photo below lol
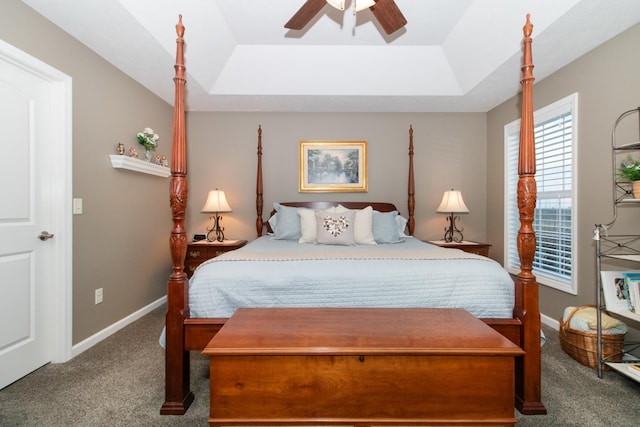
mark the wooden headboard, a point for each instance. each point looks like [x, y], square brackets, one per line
[378, 206]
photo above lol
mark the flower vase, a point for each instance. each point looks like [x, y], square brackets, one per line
[148, 155]
[636, 189]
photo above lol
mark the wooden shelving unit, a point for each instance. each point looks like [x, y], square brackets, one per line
[623, 247]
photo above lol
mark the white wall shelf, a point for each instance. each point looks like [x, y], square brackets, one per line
[125, 162]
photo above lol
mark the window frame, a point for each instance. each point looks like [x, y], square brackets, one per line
[565, 105]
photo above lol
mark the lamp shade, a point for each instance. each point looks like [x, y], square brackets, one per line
[216, 202]
[452, 203]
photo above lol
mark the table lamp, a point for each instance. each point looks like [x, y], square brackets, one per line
[216, 203]
[451, 204]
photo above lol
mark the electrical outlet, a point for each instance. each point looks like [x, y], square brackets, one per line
[98, 296]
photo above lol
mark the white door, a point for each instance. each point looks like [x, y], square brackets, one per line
[28, 278]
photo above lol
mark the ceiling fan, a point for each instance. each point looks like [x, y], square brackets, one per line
[386, 12]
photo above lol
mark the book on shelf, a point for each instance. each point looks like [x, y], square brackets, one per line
[634, 369]
[632, 285]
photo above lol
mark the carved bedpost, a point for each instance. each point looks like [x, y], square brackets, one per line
[528, 392]
[411, 203]
[259, 202]
[178, 395]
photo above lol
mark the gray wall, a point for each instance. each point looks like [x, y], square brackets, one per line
[607, 82]
[449, 152]
[120, 243]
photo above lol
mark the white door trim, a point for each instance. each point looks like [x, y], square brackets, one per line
[60, 193]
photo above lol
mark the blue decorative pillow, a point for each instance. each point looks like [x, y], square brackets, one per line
[385, 227]
[288, 225]
[335, 228]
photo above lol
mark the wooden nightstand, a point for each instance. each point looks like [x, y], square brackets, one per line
[467, 246]
[199, 252]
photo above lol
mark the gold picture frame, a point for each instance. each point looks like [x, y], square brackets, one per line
[332, 166]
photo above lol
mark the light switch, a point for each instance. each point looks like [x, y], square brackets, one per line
[77, 206]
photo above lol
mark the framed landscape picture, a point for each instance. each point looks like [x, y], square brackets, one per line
[332, 166]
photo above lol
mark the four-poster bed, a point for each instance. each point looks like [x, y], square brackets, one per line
[185, 333]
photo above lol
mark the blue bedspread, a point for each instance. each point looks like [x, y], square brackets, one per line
[355, 276]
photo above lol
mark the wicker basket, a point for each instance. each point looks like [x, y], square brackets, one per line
[583, 346]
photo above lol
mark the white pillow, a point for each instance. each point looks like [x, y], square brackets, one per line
[307, 226]
[402, 225]
[335, 228]
[363, 227]
[273, 222]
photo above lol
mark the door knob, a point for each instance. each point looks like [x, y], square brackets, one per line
[45, 235]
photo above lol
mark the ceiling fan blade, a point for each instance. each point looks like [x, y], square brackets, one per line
[305, 14]
[389, 15]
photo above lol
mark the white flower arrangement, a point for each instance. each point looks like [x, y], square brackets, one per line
[148, 138]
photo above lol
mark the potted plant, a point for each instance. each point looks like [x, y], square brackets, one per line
[630, 171]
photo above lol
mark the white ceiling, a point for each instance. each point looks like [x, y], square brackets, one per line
[453, 55]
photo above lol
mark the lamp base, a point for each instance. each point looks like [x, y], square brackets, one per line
[215, 233]
[452, 232]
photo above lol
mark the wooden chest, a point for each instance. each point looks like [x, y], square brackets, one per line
[360, 367]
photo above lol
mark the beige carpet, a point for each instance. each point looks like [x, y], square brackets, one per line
[120, 382]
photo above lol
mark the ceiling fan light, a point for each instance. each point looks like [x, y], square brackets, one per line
[338, 4]
[362, 4]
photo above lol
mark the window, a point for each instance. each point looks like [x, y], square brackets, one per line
[555, 132]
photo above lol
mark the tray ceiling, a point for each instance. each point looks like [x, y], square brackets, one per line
[461, 55]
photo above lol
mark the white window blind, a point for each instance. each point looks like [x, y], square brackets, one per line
[554, 219]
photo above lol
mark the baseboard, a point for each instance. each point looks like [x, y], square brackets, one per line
[112, 329]
[550, 322]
